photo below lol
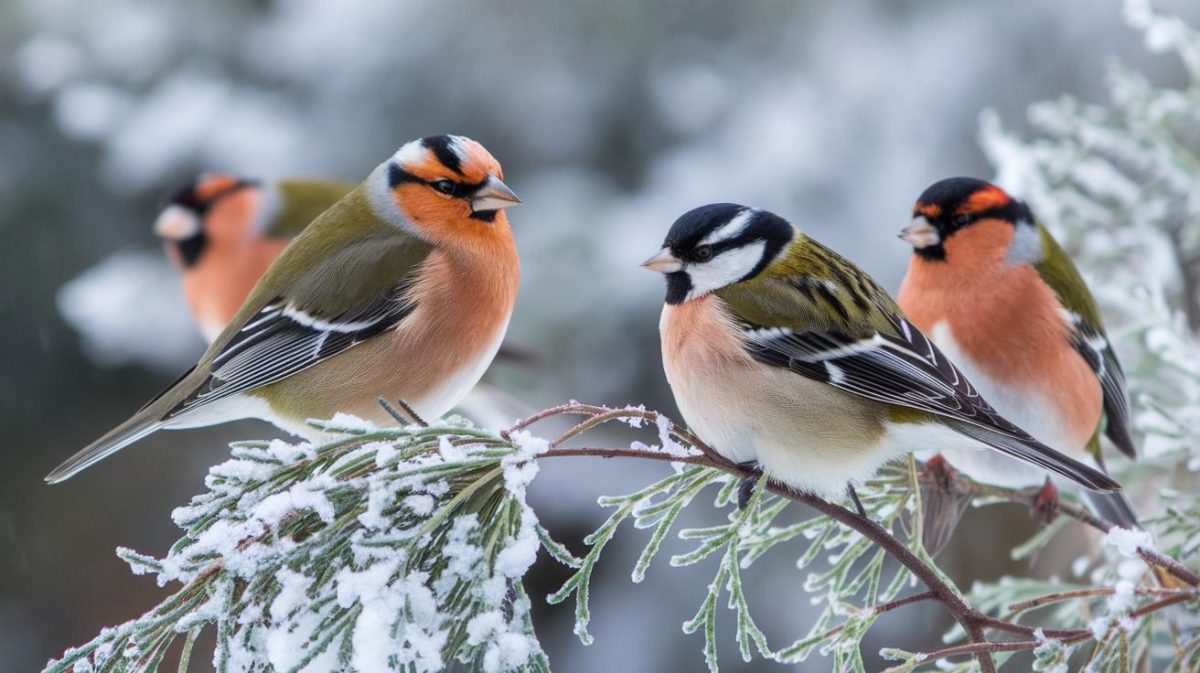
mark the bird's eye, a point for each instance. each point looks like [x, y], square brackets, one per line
[443, 186]
[704, 253]
[962, 220]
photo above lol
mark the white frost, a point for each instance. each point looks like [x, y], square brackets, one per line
[1127, 541]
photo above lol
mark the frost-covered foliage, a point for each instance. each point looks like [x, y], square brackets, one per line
[383, 550]
[405, 549]
[846, 572]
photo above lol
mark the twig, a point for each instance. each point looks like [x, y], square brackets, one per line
[971, 620]
[1082, 515]
[1066, 637]
[1093, 592]
[882, 608]
[1177, 569]
[616, 452]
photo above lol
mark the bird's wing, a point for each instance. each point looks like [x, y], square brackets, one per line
[300, 201]
[285, 339]
[312, 321]
[1088, 337]
[897, 365]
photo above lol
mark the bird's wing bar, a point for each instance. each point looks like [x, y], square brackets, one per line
[282, 339]
[1096, 350]
[907, 370]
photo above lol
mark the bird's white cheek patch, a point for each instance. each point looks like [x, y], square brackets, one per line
[725, 269]
[381, 199]
[177, 223]
[1026, 246]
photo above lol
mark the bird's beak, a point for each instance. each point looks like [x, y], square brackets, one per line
[920, 234]
[177, 223]
[493, 195]
[664, 262]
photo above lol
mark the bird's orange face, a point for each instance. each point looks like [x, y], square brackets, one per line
[212, 208]
[965, 216]
[232, 206]
[450, 189]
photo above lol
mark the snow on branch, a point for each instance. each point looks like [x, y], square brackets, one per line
[405, 548]
[386, 549]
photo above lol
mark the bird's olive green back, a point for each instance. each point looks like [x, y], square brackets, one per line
[301, 202]
[812, 288]
[347, 257]
[1057, 270]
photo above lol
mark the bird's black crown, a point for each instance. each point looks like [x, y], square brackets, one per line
[955, 203]
[687, 236]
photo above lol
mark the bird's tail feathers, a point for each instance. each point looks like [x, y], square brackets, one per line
[116, 439]
[1036, 453]
[1114, 508]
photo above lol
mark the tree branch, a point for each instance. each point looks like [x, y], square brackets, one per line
[1094, 592]
[1152, 557]
[973, 622]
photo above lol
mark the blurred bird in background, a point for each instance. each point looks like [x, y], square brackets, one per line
[403, 289]
[784, 354]
[998, 295]
[221, 232]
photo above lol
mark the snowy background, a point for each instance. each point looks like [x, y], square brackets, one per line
[611, 118]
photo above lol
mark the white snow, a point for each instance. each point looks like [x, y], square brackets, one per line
[293, 593]
[420, 504]
[1127, 541]
[449, 452]
[516, 558]
[521, 466]
[343, 421]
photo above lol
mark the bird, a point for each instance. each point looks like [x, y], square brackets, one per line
[403, 289]
[783, 355]
[222, 231]
[996, 293]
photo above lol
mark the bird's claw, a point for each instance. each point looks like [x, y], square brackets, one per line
[944, 500]
[1045, 503]
[862, 511]
[746, 487]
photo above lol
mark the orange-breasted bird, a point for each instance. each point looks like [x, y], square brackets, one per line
[402, 289]
[994, 290]
[222, 231]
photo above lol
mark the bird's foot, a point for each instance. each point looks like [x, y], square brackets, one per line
[409, 415]
[943, 502]
[746, 488]
[940, 472]
[854, 498]
[1045, 503]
